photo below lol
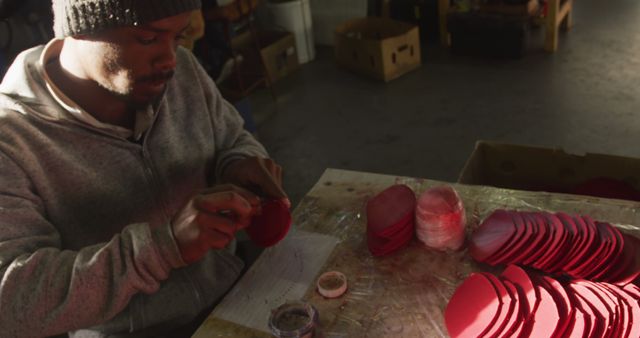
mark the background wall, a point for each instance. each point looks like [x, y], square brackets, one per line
[30, 24]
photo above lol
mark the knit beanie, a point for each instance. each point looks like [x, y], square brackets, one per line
[73, 17]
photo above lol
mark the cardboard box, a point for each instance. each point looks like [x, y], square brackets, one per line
[543, 169]
[379, 48]
[279, 55]
[277, 49]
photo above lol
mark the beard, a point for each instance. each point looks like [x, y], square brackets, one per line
[121, 81]
[135, 90]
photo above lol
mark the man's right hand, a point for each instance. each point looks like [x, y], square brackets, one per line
[211, 219]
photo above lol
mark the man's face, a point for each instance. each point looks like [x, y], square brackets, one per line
[134, 63]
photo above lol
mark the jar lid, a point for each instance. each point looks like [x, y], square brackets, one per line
[332, 284]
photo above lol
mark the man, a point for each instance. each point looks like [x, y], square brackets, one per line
[124, 177]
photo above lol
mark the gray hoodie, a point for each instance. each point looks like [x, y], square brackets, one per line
[85, 237]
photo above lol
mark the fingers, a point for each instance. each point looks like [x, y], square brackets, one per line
[253, 199]
[230, 205]
[217, 231]
[210, 220]
[269, 178]
[262, 173]
[226, 202]
[273, 169]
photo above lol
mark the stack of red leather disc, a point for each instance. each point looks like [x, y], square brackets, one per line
[524, 304]
[577, 246]
[271, 225]
[390, 220]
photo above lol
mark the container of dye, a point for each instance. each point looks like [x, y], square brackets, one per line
[295, 319]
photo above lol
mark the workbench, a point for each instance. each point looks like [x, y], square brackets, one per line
[400, 295]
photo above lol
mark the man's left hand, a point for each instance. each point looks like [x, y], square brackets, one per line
[261, 175]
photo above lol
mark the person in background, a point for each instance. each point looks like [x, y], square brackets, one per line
[124, 177]
[214, 50]
[195, 31]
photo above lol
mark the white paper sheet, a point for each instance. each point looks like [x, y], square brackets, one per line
[282, 273]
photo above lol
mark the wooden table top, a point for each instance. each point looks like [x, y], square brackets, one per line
[403, 294]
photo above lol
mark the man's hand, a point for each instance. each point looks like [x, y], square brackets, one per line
[261, 175]
[211, 219]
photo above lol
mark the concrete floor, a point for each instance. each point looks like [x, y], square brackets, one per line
[584, 98]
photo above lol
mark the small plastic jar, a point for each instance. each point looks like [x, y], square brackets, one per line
[440, 218]
[332, 284]
[295, 319]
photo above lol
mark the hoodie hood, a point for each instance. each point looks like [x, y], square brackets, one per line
[24, 89]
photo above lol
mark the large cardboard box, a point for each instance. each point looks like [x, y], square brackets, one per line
[277, 49]
[279, 54]
[380, 48]
[544, 169]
